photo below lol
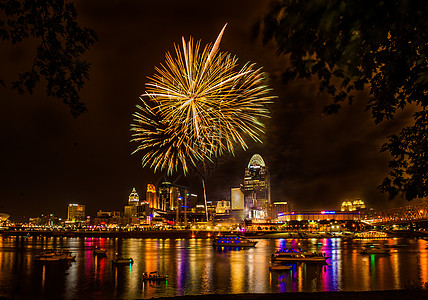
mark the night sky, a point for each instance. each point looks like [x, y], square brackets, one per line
[49, 159]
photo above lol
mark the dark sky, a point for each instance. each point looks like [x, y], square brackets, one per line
[50, 159]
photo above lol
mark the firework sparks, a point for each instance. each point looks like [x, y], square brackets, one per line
[198, 105]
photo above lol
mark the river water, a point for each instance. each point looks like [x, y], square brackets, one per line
[195, 267]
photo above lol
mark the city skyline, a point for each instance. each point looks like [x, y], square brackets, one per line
[52, 159]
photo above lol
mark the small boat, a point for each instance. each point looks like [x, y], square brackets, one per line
[122, 261]
[52, 255]
[374, 250]
[154, 276]
[295, 255]
[47, 258]
[99, 251]
[233, 241]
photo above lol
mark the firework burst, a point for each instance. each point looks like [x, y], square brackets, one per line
[198, 105]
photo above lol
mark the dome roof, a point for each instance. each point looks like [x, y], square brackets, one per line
[256, 160]
[133, 194]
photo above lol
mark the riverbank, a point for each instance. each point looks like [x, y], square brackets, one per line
[370, 295]
[188, 234]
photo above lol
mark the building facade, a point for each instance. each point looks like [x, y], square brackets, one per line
[172, 197]
[237, 197]
[76, 213]
[151, 196]
[257, 188]
[133, 199]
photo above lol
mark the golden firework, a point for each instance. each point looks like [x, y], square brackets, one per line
[199, 104]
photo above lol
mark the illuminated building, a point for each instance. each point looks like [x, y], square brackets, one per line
[222, 207]
[346, 206]
[151, 196]
[134, 199]
[257, 188]
[319, 216]
[358, 204]
[130, 211]
[76, 213]
[278, 209]
[172, 196]
[237, 197]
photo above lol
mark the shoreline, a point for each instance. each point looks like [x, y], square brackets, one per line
[189, 234]
[348, 295]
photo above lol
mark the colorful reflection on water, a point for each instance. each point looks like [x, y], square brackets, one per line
[195, 267]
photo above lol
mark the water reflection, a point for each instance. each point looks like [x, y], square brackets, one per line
[195, 267]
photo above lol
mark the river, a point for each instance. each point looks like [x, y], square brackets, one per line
[195, 267]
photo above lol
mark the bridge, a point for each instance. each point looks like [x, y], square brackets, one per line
[400, 215]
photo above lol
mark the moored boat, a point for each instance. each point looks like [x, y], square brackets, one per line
[122, 260]
[55, 255]
[99, 251]
[295, 255]
[154, 276]
[233, 241]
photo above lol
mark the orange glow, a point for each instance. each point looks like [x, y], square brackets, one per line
[151, 188]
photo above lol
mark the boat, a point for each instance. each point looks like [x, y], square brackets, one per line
[122, 261]
[295, 255]
[372, 249]
[154, 276]
[233, 241]
[47, 257]
[52, 255]
[99, 251]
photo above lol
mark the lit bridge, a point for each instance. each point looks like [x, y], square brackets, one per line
[400, 215]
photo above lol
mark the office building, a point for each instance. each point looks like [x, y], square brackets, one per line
[237, 197]
[257, 188]
[76, 213]
[133, 199]
[151, 196]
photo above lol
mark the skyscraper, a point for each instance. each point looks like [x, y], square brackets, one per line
[257, 188]
[151, 196]
[133, 199]
[76, 213]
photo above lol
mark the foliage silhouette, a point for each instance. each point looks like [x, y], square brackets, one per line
[359, 44]
[61, 43]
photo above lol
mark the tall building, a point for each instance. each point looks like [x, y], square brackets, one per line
[76, 212]
[257, 188]
[237, 197]
[172, 196]
[151, 196]
[133, 199]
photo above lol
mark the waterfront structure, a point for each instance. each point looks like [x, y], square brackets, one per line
[133, 199]
[278, 209]
[151, 196]
[76, 213]
[257, 188]
[324, 215]
[237, 197]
